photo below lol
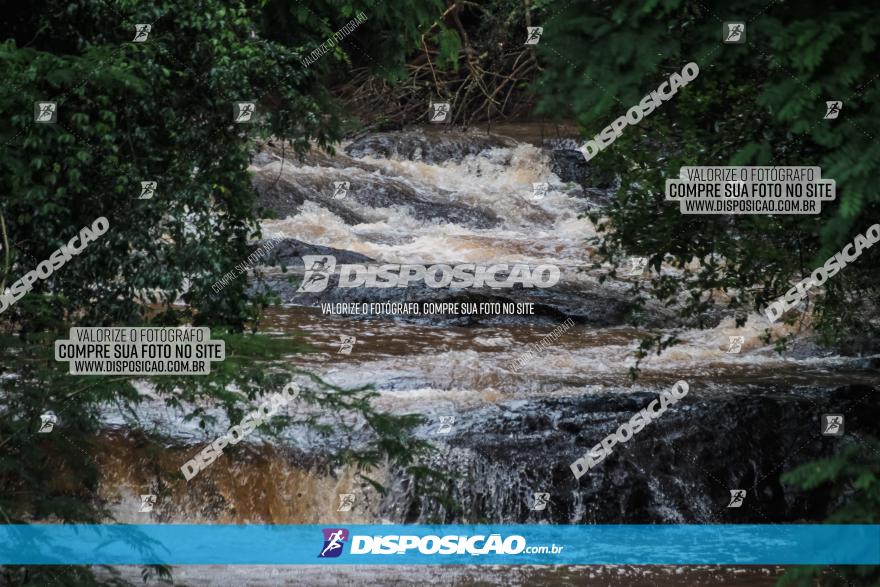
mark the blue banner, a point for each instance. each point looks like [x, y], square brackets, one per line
[172, 544]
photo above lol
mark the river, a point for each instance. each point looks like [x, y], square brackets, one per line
[434, 197]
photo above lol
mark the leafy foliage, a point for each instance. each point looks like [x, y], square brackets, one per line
[159, 111]
[759, 103]
[131, 112]
[854, 477]
[472, 55]
[382, 43]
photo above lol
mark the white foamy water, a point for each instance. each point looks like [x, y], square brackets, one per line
[476, 375]
[435, 368]
[496, 182]
[414, 365]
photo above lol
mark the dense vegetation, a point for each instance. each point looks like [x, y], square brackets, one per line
[159, 110]
[162, 111]
[758, 103]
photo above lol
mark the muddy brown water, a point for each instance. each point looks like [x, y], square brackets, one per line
[427, 196]
[461, 576]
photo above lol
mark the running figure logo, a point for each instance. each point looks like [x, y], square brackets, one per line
[832, 424]
[318, 270]
[243, 111]
[539, 190]
[832, 109]
[340, 189]
[734, 32]
[446, 423]
[47, 422]
[534, 34]
[346, 344]
[141, 32]
[334, 540]
[439, 111]
[540, 502]
[45, 111]
[736, 498]
[147, 503]
[638, 265]
[346, 502]
[148, 188]
[736, 343]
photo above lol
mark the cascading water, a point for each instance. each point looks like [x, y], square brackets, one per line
[441, 197]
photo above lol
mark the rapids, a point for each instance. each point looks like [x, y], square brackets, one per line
[425, 196]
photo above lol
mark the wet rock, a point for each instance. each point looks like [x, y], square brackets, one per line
[569, 165]
[285, 187]
[274, 152]
[584, 303]
[680, 468]
[289, 252]
[861, 345]
[283, 195]
[427, 146]
[571, 143]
